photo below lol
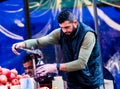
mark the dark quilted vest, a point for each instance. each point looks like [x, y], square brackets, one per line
[91, 76]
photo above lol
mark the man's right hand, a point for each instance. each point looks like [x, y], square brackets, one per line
[16, 46]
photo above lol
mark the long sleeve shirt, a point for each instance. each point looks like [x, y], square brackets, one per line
[53, 38]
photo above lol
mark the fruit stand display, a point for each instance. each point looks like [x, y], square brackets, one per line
[10, 78]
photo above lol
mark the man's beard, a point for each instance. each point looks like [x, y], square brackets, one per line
[70, 36]
[72, 33]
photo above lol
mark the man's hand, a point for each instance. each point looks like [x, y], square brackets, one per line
[46, 68]
[16, 46]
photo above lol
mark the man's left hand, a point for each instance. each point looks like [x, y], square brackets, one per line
[46, 68]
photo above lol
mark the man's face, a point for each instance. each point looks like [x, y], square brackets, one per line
[28, 66]
[68, 27]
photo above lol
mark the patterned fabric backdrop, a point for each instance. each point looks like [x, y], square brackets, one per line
[43, 15]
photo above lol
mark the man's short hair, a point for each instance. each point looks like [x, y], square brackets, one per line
[65, 15]
[30, 57]
[27, 58]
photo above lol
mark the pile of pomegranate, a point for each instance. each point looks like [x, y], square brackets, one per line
[10, 77]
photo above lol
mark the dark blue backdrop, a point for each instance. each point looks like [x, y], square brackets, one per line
[43, 20]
